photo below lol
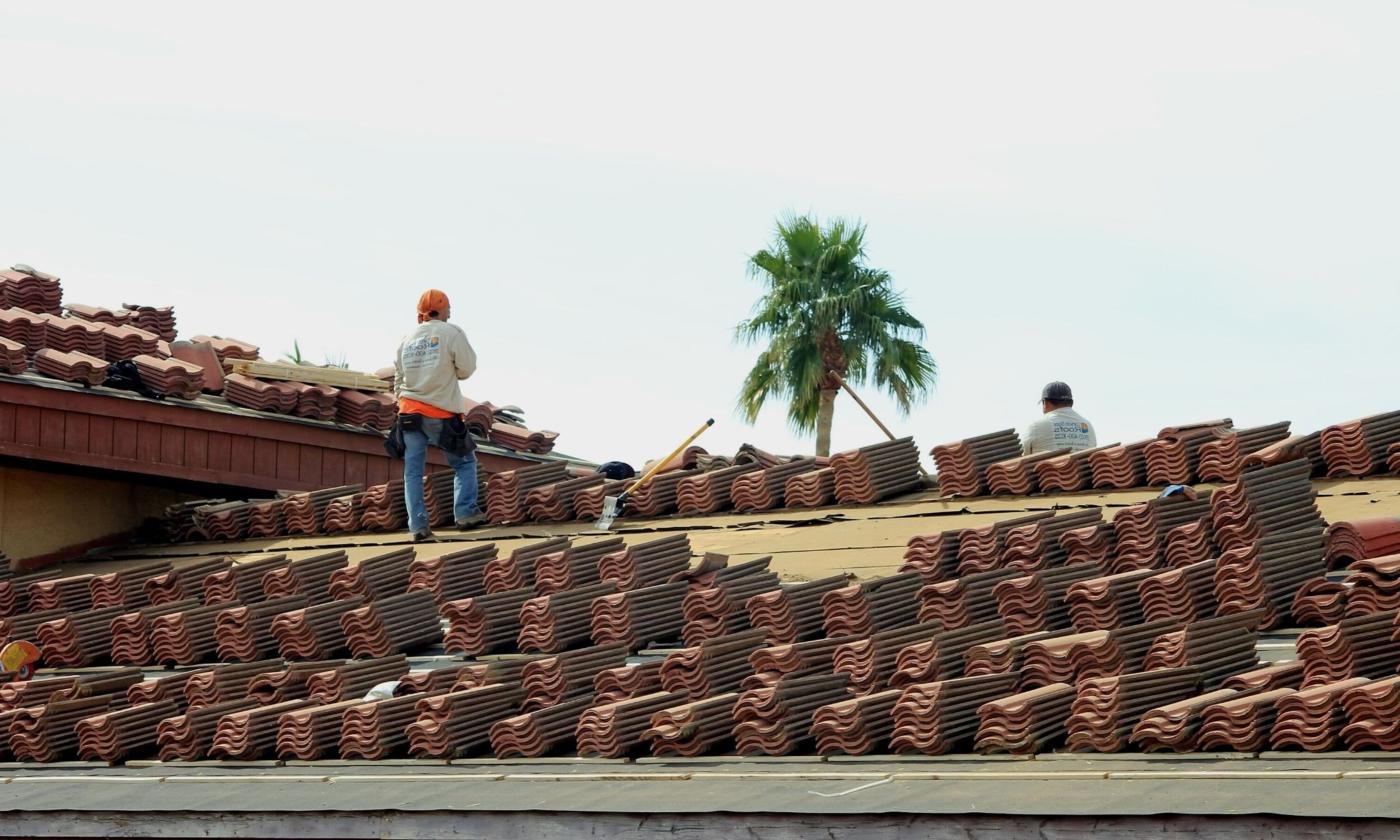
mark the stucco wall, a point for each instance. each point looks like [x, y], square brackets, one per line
[42, 513]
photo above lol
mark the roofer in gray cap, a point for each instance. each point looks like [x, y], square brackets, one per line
[1061, 427]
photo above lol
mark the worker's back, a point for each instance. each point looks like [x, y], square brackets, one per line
[1062, 428]
[430, 362]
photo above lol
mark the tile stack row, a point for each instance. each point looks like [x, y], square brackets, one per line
[1361, 447]
[1010, 645]
[1213, 450]
[734, 692]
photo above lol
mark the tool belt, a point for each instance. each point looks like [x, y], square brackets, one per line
[452, 436]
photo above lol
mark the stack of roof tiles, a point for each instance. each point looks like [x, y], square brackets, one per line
[1068, 473]
[646, 563]
[454, 575]
[522, 439]
[188, 737]
[875, 472]
[962, 465]
[229, 348]
[811, 489]
[74, 335]
[14, 356]
[517, 569]
[1218, 648]
[548, 680]
[71, 367]
[1373, 585]
[304, 513]
[376, 409]
[713, 667]
[794, 612]
[1141, 532]
[1222, 459]
[1039, 601]
[28, 288]
[1017, 476]
[244, 633]
[639, 617]
[939, 717]
[1027, 722]
[157, 319]
[1359, 646]
[540, 732]
[1373, 715]
[715, 607]
[856, 726]
[1312, 719]
[314, 632]
[771, 665]
[980, 548]
[615, 684]
[1119, 467]
[315, 402]
[185, 637]
[459, 722]
[1272, 535]
[552, 623]
[613, 730]
[658, 496]
[1174, 456]
[709, 492]
[555, 502]
[573, 566]
[1360, 447]
[1097, 653]
[942, 655]
[506, 491]
[1106, 709]
[1037, 545]
[309, 577]
[964, 600]
[170, 377]
[23, 328]
[694, 728]
[876, 604]
[384, 508]
[1362, 539]
[766, 489]
[393, 624]
[78, 639]
[260, 394]
[129, 342]
[777, 720]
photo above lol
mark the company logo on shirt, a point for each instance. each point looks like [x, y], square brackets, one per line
[421, 352]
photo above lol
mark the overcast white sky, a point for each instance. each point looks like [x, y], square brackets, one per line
[1185, 210]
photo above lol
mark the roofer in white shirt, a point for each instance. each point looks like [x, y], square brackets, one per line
[1061, 427]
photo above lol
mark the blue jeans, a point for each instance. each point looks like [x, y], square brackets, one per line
[415, 459]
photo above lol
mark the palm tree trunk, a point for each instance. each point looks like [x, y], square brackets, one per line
[824, 412]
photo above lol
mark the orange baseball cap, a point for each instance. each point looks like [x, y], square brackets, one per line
[431, 303]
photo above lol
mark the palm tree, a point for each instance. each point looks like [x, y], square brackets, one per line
[823, 309]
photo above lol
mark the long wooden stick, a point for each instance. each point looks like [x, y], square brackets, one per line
[860, 402]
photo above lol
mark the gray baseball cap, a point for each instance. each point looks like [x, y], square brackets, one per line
[1056, 392]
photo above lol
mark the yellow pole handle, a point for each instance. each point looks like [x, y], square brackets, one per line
[664, 461]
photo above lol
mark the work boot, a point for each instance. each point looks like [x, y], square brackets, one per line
[474, 521]
[423, 536]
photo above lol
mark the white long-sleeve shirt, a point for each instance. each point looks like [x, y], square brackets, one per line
[1062, 428]
[431, 361]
